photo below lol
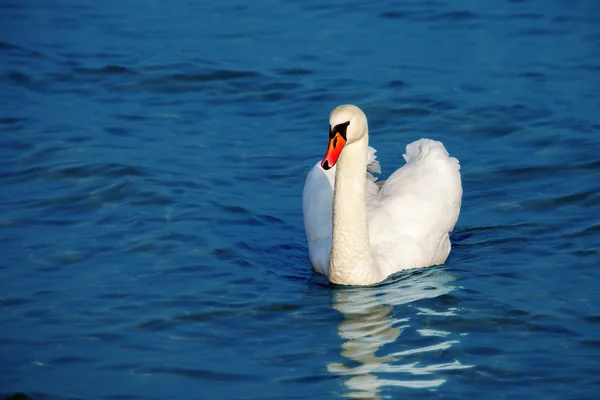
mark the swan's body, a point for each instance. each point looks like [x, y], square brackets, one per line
[359, 232]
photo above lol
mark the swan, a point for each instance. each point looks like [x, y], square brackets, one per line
[359, 230]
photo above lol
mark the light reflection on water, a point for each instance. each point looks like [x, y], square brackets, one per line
[373, 320]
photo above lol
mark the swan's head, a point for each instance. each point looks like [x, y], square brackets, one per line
[347, 124]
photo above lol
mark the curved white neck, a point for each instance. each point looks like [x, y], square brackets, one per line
[351, 262]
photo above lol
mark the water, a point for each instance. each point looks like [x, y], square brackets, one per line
[152, 159]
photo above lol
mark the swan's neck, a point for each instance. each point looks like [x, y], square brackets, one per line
[351, 262]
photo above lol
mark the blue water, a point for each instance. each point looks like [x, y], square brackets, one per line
[152, 159]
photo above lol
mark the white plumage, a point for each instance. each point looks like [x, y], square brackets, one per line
[379, 228]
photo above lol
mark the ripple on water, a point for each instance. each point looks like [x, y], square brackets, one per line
[385, 340]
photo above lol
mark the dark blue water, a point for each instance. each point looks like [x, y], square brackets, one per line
[152, 159]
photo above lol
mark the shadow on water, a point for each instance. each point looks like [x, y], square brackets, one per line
[386, 340]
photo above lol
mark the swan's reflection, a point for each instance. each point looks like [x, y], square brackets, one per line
[368, 326]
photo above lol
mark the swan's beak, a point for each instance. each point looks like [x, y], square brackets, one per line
[336, 144]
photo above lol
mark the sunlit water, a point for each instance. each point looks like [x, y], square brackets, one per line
[152, 159]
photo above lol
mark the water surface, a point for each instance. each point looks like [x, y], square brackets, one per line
[152, 159]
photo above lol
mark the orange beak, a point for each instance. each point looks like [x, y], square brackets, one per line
[336, 144]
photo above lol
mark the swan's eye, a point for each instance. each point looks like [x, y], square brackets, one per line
[339, 128]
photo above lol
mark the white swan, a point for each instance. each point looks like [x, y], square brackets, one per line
[361, 231]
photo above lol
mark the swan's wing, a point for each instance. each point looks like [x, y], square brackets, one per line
[317, 208]
[418, 205]
[373, 166]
